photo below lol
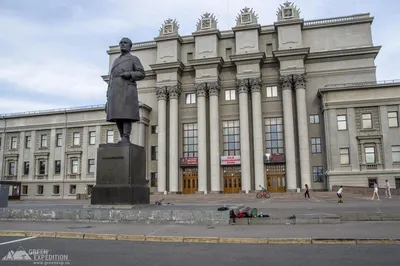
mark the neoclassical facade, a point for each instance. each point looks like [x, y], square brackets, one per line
[280, 106]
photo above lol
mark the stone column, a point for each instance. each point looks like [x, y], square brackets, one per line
[215, 171]
[19, 165]
[174, 92]
[243, 91]
[85, 159]
[286, 84]
[141, 133]
[32, 165]
[50, 164]
[162, 96]
[302, 121]
[258, 143]
[201, 90]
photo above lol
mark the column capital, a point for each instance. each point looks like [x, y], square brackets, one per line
[242, 86]
[300, 81]
[214, 88]
[174, 91]
[285, 82]
[201, 89]
[162, 93]
[255, 84]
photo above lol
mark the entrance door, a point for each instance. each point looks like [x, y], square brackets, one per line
[232, 179]
[275, 177]
[190, 180]
[276, 183]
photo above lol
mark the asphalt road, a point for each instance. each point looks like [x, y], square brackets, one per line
[100, 252]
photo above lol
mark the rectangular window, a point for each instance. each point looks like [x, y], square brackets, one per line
[40, 189]
[91, 166]
[24, 189]
[110, 136]
[370, 154]
[274, 135]
[14, 143]
[27, 142]
[314, 119]
[272, 91]
[43, 141]
[189, 56]
[154, 129]
[230, 95]
[393, 119]
[154, 153]
[228, 53]
[42, 167]
[56, 189]
[154, 180]
[11, 168]
[344, 156]
[231, 137]
[190, 140]
[269, 49]
[366, 121]
[316, 145]
[92, 137]
[396, 154]
[397, 183]
[342, 122]
[59, 140]
[57, 167]
[74, 166]
[76, 139]
[318, 174]
[190, 98]
[72, 189]
[26, 168]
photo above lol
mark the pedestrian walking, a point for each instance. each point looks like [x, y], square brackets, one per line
[307, 193]
[387, 190]
[375, 191]
[339, 194]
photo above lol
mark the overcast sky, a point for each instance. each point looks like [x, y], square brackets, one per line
[53, 52]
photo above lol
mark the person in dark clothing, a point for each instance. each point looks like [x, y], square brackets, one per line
[307, 193]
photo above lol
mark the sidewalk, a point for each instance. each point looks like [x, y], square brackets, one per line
[348, 232]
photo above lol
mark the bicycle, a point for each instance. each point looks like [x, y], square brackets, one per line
[263, 193]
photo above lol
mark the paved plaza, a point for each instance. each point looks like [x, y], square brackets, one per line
[279, 205]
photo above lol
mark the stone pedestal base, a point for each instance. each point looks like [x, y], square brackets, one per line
[121, 175]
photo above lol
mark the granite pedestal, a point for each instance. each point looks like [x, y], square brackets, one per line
[121, 175]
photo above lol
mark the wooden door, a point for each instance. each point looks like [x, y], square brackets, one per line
[276, 182]
[275, 177]
[232, 180]
[190, 180]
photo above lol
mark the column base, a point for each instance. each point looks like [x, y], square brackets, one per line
[216, 192]
[175, 193]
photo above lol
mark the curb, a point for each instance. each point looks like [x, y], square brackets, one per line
[215, 240]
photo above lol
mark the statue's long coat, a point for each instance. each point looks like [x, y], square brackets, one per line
[122, 94]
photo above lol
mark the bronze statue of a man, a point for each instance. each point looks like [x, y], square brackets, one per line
[122, 95]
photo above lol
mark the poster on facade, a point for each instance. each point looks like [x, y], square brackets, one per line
[188, 161]
[230, 160]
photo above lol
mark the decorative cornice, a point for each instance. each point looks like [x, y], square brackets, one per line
[214, 88]
[207, 32]
[168, 67]
[300, 81]
[211, 62]
[285, 83]
[358, 86]
[162, 93]
[368, 50]
[201, 89]
[174, 91]
[255, 84]
[299, 53]
[238, 58]
[288, 22]
[248, 27]
[242, 86]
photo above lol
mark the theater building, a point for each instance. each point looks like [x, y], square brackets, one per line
[227, 111]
